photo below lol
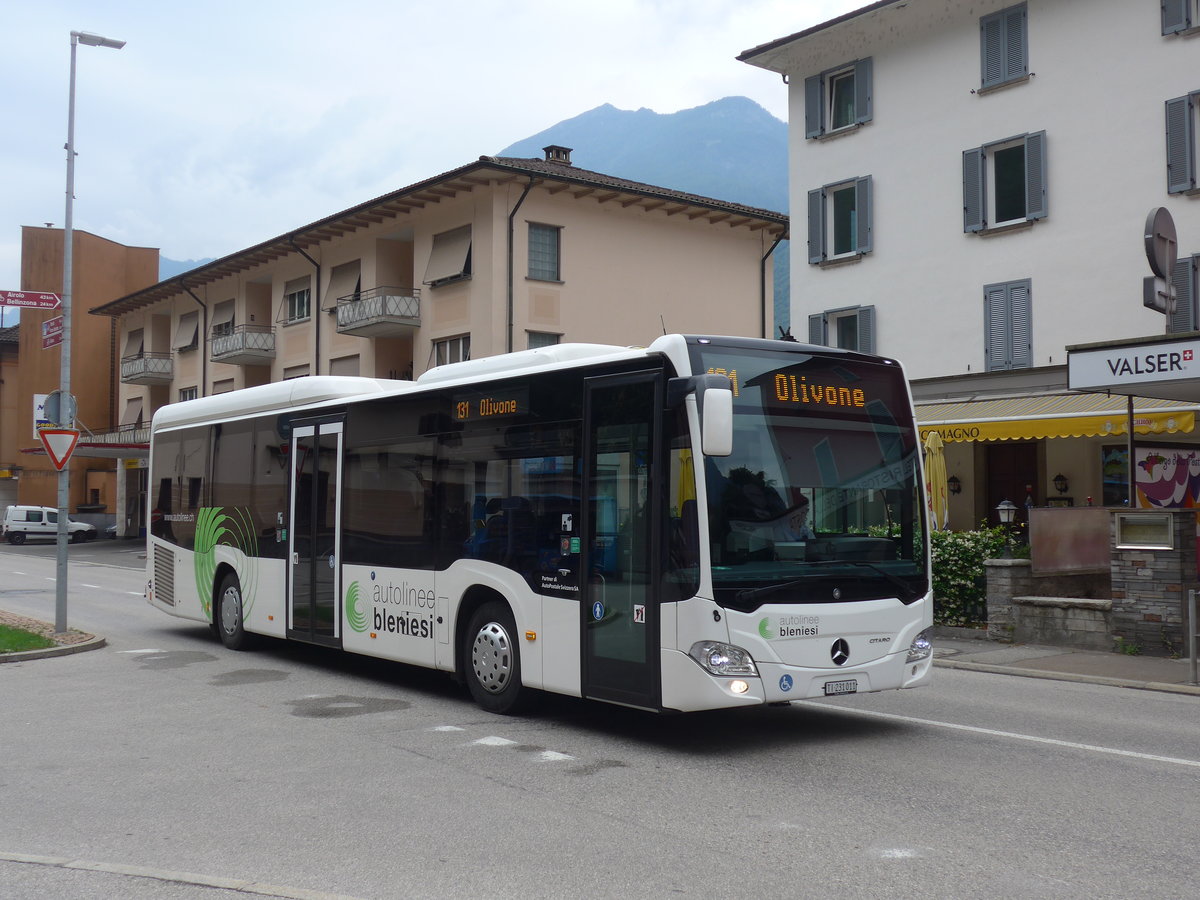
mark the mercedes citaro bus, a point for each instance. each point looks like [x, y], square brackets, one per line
[706, 522]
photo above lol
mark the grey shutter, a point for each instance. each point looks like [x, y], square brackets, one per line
[991, 49]
[814, 106]
[1020, 311]
[817, 330]
[1035, 176]
[1181, 145]
[995, 327]
[1184, 278]
[866, 329]
[863, 88]
[1016, 43]
[974, 191]
[1176, 16]
[816, 226]
[862, 205]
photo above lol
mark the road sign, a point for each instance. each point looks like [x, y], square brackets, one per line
[60, 409]
[52, 332]
[60, 444]
[30, 299]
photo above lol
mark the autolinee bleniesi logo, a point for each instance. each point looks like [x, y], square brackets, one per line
[790, 627]
[765, 629]
[355, 616]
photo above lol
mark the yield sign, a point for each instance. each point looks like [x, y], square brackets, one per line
[60, 444]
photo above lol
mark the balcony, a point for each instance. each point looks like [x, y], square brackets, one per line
[380, 312]
[147, 368]
[244, 345]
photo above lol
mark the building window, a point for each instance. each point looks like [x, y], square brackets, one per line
[1185, 317]
[187, 333]
[134, 344]
[1004, 183]
[188, 393]
[292, 372]
[450, 258]
[1004, 46]
[1180, 16]
[1007, 325]
[455, 349]
[298, 297]
[222, 323]
[544, 246]
[839, 220]
[542, 339]
[1181, 144]
[850, 328]
[838, 98]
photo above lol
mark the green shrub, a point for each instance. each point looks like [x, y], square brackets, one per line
[959, 579]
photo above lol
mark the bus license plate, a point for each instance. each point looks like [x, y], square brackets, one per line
[849, 686]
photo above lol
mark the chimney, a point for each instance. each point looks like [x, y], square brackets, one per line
[555, 153]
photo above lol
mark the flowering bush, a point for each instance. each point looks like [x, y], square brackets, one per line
[959, 582]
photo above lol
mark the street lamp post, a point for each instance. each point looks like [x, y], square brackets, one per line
[64, 475]
[1007, 510]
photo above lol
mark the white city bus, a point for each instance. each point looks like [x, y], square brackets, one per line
[707, 522]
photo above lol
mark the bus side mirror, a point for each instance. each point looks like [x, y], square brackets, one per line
[716, 422]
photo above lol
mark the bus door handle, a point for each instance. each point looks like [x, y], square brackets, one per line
[295, 559]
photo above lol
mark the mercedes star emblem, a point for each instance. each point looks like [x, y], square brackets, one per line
[840, 652]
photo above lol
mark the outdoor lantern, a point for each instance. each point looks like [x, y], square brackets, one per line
[1007, 510]
[954, 484]
[1060, 483]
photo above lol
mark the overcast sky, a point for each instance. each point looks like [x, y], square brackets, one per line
[221, 124]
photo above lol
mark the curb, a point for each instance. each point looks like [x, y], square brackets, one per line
[95, 643]
[1161, 686]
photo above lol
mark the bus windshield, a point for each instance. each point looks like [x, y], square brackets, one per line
[820, 501]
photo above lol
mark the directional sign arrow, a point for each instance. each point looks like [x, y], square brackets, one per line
[30, 299]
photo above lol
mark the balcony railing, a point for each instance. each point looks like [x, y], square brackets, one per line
[244, 345]
[147, 368]
[383, 311]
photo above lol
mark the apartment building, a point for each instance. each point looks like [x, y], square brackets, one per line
[497, 255]
[975, 180]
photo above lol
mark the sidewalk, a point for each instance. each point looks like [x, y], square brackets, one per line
[958, 648]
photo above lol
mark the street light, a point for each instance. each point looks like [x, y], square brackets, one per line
[1007, 511]
[64, 476]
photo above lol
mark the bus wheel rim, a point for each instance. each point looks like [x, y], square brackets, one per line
[492, 658]
[231, 610]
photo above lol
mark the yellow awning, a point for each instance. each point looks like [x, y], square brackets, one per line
[1052, 416]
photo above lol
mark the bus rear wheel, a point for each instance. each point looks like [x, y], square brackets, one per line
[493, 660]
[228, 616]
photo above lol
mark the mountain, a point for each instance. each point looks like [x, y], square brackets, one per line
[169, 268]
[730, 149]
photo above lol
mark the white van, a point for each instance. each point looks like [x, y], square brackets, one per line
[21, 522]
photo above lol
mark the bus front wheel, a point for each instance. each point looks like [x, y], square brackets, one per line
[229, 614]
[493, 660]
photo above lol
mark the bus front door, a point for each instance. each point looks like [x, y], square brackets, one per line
[619, 607]
[314, 534]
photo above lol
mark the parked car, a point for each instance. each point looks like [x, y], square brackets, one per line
[23, 522]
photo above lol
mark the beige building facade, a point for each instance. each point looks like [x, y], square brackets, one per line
[498, 255]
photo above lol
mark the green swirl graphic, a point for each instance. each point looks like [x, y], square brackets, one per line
[765, 629]
[233, 529]
[355, 616]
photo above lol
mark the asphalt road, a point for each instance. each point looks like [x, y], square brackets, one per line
[166, 766]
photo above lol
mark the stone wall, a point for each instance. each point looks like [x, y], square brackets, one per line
[1150, 588]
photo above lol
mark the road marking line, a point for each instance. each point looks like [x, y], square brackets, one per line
[992, 732]
[495, 742]
[447, 728]
[553, 756]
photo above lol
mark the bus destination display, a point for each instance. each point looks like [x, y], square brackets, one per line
[784, 387]
[498, 405]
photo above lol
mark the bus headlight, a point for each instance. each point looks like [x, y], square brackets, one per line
[723, 659]
[920, 648]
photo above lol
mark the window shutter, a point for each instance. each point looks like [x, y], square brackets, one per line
[817, 329]
[974, 190]
[991, 49]
[1183, 276]
[1181, 145]
[1016, 43]
[814, 107]
[816, 226]
[1020, 325]
[1035, 176]
[863, 89]
[1176, 16]
[866, 329]
[995, 326]
[862, 203]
